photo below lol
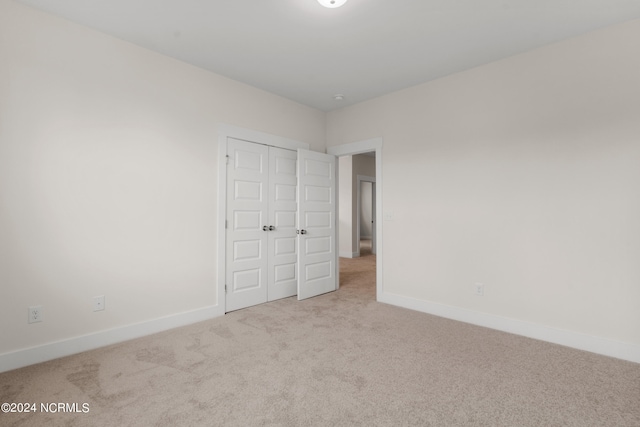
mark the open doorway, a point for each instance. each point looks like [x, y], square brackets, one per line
[356, 180]
[357, 227]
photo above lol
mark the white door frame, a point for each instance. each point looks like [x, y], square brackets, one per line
[360, 147]
[229, 131]
[360, 180]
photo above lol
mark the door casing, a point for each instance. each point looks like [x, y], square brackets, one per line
[359, 147]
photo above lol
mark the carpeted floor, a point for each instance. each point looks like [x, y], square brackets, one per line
[338, 359]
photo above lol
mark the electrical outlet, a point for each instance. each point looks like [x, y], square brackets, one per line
[35, 314]
[98, 303]
[479, 287]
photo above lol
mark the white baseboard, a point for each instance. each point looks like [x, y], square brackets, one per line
[42, 353]
[348, 254]
[603, 346]
[50, 351]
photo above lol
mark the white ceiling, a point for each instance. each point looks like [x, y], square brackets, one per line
[366, 48]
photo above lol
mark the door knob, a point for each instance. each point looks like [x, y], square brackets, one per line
[265, 228]
[271, 228]
[303, 231]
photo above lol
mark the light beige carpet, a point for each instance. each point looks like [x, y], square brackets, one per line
[336, 360]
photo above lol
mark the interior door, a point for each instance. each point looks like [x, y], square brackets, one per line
[316, 223]
[374, 220]
[283, 207]
[247, 237]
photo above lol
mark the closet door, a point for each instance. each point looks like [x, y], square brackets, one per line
[317, 223]
[247, 227]
[283, 206]
[270, 191]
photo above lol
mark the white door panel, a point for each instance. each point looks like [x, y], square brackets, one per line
[285, 246]
[285, 220]
[317, 245]
[246, 250]
[285, 193]
[314, 193]
[247, 197]
[317, 271]
[316, 214]
[318, 219]
[283, 206]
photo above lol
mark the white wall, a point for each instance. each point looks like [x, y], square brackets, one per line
[522, 175]
[108, 166]
[345, 206]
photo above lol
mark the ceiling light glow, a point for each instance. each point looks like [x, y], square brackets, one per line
[332, 3]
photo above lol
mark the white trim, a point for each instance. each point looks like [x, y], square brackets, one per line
[359, 180]
[603, 346]
[349, 255]
[42, 353]
[358, 147]
[225, 132]
[336, 224]
[221, 263]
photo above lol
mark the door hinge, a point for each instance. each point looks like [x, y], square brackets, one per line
[227, 159]
[226, 223]
[225, 288]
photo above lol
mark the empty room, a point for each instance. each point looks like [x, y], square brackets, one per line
[320, 212]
